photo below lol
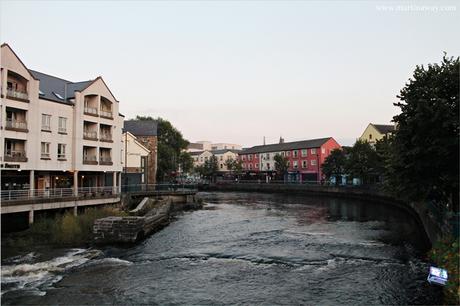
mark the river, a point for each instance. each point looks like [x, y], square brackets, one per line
[243, 248]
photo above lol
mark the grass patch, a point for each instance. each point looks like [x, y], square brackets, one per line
[62, 230]
[445, 254]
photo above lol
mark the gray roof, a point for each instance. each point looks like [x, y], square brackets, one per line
[222, 151]
[384, 128]
[286, 146]
[51, 85]
[141, 127]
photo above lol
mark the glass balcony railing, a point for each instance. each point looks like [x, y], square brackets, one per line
[90, 110]
[90, 134]
[14, 124]
[17, 94]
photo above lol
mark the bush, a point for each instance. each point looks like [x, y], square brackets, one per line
[445, 254]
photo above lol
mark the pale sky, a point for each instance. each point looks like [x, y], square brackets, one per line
[234, 71]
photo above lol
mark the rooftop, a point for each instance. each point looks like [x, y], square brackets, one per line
[285, 146]
[141, 127]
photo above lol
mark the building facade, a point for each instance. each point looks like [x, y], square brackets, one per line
[374, 132]
[208, 146]
[304, 158]
[134, 160]
[200, 157]
[145, 132]
[56, 133]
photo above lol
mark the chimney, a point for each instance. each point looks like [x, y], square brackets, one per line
[281, 139]
[264, 140]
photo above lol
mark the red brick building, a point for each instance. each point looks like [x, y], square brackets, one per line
[305, 158]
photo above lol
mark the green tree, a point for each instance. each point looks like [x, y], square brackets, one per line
[334, 165]
[281, 165]
[185, 162]
[170, 145]
[425, 147]
[361, 162]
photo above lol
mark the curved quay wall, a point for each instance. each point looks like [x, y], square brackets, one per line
[433, 230]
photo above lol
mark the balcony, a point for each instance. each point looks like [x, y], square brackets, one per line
[106, 137]
[17, 95]
[92, 111]
[90, 135]
[14, 125]
[62, 130]
[90, 160]
[15, 156]
[106, 114]
[105, 160]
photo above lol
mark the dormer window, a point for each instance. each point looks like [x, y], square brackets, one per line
[58, 95]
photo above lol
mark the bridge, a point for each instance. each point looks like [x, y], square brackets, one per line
[17, 201]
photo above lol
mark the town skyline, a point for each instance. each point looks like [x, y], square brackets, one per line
[245, 70]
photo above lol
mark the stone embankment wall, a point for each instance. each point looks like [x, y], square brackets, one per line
[433, 230]
[129, 229]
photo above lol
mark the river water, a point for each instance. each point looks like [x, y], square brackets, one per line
[244, 248]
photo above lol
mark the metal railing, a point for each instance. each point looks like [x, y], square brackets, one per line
[88, 192]
[107, 114]
[90, 134]
[56, 193]
[16, 124]
[62, 130]
[17, 94]
[90, 110]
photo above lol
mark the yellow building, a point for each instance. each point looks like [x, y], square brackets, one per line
[374, 132]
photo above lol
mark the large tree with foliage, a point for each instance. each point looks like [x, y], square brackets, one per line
[185, 162]
[425, 148]
[170, 145]
[281, 164]
[361, 162]
[334, 165]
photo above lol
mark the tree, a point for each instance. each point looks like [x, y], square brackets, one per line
[281, 164]
[361, 162]
[334, 165]
[170, 145]
[424, 159]
[185, 162]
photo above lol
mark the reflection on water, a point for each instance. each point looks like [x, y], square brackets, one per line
[253, 249]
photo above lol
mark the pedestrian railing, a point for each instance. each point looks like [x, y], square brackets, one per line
[88, 192]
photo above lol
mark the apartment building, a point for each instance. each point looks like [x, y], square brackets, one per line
[208, 146]
[304, 158]
[222, 155]
[56, 133]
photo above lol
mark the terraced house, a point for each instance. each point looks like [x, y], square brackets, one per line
[56, 133]
[304, 158]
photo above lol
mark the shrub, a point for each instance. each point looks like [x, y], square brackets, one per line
[445, 254]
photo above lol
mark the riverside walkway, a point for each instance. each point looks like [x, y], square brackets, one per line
[16, 201]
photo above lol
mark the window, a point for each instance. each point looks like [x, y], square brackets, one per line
[295, 164]
[244, 157]
[370, 136]
[313, 162]
[289, 164]
[257, 165]
[323, 150]
[221, 166]
[61, 151]
[304, 164]
[282, 154]
[288, 153]
[46, 122]
[221, 158]
[250, 157]
[250, 166]
[45, 152]
[58, 95]
[62, 125]
[268, 166]
[201, 158]
[313, 151]
[267, 156]
[294, 153]
[304, 152]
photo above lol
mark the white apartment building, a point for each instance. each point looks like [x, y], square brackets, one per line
[200, 157]
[208, 146]
[56, 133]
